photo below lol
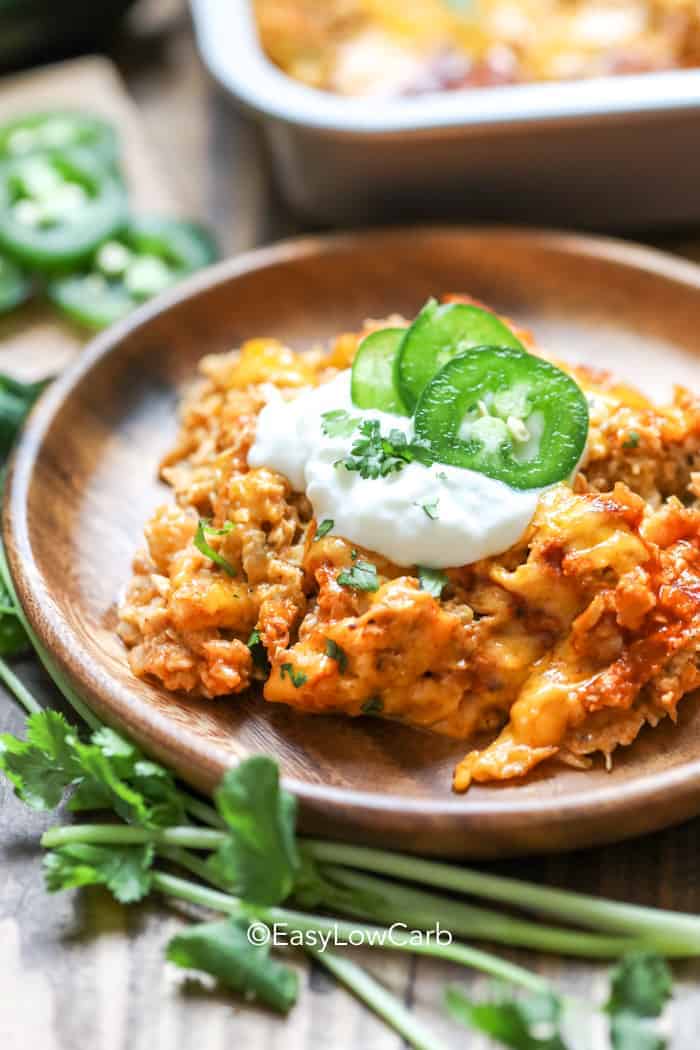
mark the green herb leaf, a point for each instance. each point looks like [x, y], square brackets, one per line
[373, 706]
[632, 440]
[125, 870]
[259, 860]
[432, 580]
[223, 950]
[108, 773]
[338, 423]
[297, 678]
[259, 652]
[16, 401]
[13, 637]
[200, 541]
[522, 1024]
[324, 528]
[630, 1032]
[641, 984]
[336, 653]
[375, 456]
[361, 577]
[44, 765]
[431, 509]
[115, 775]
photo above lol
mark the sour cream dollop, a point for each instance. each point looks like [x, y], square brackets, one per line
[438, 516]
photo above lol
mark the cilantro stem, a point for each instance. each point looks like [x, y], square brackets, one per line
[130, 835]
[57, 676]
[373, 936]
[671, 933]
[18, 689]
[373, 994]
[397, 902]
[381, 1001]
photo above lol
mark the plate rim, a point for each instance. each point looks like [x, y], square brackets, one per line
[328, 799]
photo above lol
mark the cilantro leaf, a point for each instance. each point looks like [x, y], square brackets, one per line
[125, 870]
[200, 541]
[338, 423]
[432, 580]
[641, 984]
[522, 1024]
[44, 765]
[297, 678]
[373, 706]
[375, 456]
[259, 859]
[361, 577]
[258, 652]
[640, 987]
[431, 509]
[16, 401]
[223, 950]
[336, 653]
[630, 1032]
[13, 637]
[115, 775]
[324, 528]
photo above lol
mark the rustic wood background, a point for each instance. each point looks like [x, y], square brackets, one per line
[77, 971]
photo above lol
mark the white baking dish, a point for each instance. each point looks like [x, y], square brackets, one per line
[613, 152]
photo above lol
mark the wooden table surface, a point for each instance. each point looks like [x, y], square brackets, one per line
[79, 972]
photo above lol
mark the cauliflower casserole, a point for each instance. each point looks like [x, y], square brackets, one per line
[567, 643]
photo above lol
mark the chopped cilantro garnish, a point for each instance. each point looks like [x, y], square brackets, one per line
[258, 652]
[338, 423]
[373, 706]
[375, 456]
[432, 580]
[297, 678]
[204, 528]
[632, 440]
[431, 509]
[361, 577]
[336, 653]
[324, 528]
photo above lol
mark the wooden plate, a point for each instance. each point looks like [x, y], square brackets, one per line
[84, 483]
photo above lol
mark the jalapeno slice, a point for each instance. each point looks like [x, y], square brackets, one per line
[149, 256]
[58, 129]
[505, 413]
[373, 372]
[15, 285]
[439, 333]
[56, 208]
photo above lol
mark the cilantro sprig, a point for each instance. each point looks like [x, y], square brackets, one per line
[204, 529]
[362, 576]
[376, 455]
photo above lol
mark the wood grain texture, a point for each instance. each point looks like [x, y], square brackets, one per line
[86, 468]
[75, 950]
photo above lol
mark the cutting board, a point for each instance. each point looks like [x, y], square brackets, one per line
[34, 340]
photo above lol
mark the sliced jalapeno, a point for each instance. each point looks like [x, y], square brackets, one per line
[56, 208]
[58, 129]
[439, 333]
[505, 413]
[148, 257]
[15, 285]
[373, 372]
